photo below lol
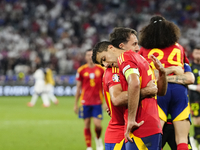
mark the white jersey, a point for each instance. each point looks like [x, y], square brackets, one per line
[39, 77]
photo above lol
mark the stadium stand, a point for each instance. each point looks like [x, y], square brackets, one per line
[59, 31]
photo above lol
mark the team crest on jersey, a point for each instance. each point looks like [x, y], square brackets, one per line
[97, 73]
[115, 78]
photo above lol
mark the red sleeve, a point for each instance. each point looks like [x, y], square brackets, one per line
[126, 61]
[78, 75]
[186, 59]
[140, 52]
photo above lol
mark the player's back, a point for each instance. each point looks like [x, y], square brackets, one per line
[170, 56]
[115, 130]
[175, 99]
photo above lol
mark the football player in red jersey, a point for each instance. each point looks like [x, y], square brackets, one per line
[141, 117]
[124, 38]
[115, 98]
[160, 38]
[117, 101]
[89, 91]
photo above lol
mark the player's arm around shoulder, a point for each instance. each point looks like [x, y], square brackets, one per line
[181, 77]
[150, 90]
[174, 69]
[118, 97]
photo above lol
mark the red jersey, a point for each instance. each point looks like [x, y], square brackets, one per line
[147, 109]
[115, 130]
[91, 90]
[170, 56]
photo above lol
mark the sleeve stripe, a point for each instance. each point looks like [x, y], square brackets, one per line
[112, 69]
[109, 102]
[122, 57]
[115, 70]
[131, 71]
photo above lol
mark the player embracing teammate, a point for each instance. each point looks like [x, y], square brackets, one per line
[132, 77]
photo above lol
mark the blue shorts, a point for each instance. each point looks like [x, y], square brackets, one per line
[115, 146]
[90, 111]
[153, 142]
[175, 102]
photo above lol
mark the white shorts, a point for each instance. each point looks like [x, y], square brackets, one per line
[49, 88]
[39, 87]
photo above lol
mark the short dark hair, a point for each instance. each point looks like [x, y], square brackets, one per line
[98, 48]
[197, 47]
[88, 50]
[121, 35]
[159, 33]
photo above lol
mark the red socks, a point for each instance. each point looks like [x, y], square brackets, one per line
[98, 132]
[182, 146]
[87, 135]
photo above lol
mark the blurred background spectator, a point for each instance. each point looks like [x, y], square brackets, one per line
[57, 32]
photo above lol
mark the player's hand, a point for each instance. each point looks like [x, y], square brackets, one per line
[76, 109]
[105, 107]
[178, 70]
[130, 127]
[157, 63]
[108, 111]
[153, 88]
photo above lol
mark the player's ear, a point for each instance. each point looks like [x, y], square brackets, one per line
[111, 47]
[121, 45]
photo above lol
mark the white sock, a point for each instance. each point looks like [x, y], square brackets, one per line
[52, 97]
[45, 99]
[193, 143]
[34, 99]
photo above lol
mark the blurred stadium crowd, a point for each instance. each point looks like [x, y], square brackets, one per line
[57, 32]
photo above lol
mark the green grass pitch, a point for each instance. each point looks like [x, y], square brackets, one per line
[38, 128]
